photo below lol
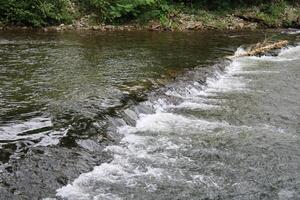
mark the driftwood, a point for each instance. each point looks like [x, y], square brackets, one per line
[261, 48]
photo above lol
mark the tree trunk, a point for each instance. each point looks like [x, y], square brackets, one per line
[261, 48]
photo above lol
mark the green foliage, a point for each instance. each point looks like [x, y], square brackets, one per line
[275, 9]
[52, 12]
[120, 10]
[230, 4]
[167, 23]
[273, 13]
[34, 12]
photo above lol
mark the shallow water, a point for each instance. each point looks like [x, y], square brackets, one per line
[198, 127]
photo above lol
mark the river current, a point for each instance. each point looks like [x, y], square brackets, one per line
[149, 117]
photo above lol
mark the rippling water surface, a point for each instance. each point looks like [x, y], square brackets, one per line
[147, 116]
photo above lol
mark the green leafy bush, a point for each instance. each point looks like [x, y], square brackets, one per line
[34, 12]
[275, 9]
[273, 14]
[120, 10]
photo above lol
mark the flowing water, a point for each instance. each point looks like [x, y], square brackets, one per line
[148, 116]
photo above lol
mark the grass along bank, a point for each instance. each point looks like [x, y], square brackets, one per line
[160, 15]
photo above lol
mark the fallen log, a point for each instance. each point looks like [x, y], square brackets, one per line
[261, 48]
[253, 20]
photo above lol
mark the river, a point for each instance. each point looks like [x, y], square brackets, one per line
[144, 115]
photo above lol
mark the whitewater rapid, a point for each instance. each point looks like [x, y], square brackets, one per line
[159, 157]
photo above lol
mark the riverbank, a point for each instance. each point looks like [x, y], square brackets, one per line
[184, 19]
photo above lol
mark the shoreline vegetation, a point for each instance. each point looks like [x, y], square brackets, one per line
[154, 15]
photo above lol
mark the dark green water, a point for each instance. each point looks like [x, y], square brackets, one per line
[73, 101]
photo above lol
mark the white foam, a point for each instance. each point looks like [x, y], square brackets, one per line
[169, 122]
[228, 82]
[239, 51]
[205, 180]
[196, 106]
[294, 32]
[185, 94]
[96, 183]
[259, 72]
[286, 54]
[291, 53]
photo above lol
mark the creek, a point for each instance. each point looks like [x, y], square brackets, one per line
[141, 115]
